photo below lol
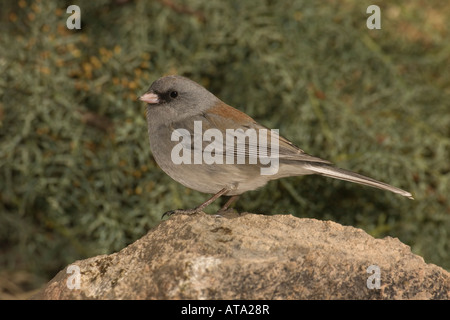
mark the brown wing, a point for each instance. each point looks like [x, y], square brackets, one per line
[228, 117]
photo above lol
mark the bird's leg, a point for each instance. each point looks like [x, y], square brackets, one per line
[200, 207]
[230, 201]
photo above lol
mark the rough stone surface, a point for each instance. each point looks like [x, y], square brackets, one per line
[254, 257]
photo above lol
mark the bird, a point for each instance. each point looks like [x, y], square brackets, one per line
[209, 146]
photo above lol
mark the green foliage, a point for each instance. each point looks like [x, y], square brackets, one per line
[76, 173]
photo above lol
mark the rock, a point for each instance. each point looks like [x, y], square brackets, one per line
[253, 257]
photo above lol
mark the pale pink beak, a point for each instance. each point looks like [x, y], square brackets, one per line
[149, 98]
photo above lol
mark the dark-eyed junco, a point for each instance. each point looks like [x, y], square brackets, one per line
[208, 146]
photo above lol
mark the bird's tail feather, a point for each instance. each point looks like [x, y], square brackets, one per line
[342, 174]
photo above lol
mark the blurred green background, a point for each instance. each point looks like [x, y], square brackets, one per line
[77, 177]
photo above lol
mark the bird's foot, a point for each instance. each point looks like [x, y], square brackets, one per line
[181, 211]
[224, 211]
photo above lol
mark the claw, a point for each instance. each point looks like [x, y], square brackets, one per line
[168, 213]
[203, 205]
[180, 211]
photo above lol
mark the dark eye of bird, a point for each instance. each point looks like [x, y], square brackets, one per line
[173, 94]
